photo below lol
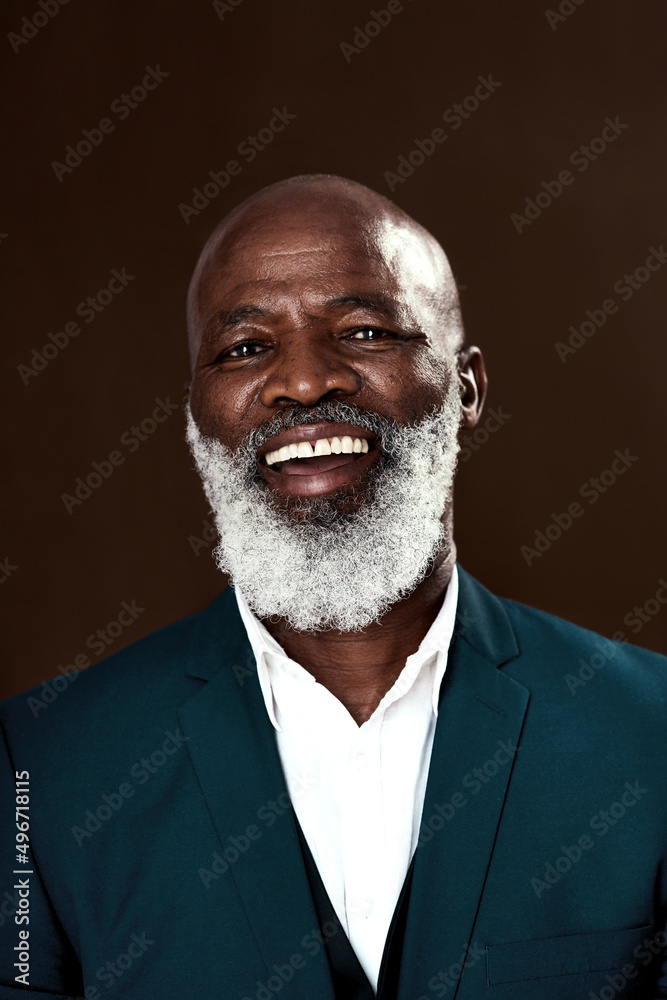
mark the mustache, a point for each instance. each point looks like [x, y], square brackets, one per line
[329, 411]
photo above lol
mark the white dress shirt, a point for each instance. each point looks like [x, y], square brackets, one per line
[358, 791]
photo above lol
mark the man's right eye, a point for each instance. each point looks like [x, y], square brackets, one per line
[244, 350]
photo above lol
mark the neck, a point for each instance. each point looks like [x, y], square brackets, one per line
[359, 668]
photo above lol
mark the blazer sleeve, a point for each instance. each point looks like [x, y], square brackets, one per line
[54, 969]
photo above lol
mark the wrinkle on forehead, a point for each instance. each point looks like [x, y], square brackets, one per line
[287, 253]
[357, 222]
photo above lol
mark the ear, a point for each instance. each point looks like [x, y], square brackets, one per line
[472, 376]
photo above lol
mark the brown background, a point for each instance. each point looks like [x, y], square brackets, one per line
[131, 540]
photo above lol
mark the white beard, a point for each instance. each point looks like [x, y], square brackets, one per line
[306, 559]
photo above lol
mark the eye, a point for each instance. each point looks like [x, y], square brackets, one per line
[369, 333]
[243, 350]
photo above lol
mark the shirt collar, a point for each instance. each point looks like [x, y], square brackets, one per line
[436, 641]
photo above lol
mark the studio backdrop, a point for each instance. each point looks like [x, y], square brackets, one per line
[529, 139]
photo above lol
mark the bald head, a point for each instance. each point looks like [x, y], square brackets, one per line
[334, 225]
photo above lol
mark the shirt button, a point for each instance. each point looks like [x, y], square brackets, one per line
[360, 760]
[367, 907]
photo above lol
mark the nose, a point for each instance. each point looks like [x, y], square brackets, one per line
[306, 369]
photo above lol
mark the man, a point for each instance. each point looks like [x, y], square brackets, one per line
[358, 771]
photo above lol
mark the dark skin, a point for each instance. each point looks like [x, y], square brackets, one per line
[302, 302]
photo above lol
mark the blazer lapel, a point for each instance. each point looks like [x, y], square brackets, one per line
[478, 730]
[232, 745]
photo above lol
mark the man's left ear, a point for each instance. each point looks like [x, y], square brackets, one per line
[474, 383]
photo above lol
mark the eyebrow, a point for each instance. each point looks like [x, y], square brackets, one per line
[227, 319]
[376, 302]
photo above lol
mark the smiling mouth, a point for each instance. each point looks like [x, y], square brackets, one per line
[309, 458]
[316, 459]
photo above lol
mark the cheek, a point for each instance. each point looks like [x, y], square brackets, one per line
[220, 407]
[412, 390]
[435, 371]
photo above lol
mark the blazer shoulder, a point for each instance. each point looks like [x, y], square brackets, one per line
[532, 623]
[504, 628]
[558, 649]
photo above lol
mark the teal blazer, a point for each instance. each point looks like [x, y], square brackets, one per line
[164, 862]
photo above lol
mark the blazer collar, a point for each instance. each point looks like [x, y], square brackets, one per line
[483, 622]
[219, 635]
[219, 639]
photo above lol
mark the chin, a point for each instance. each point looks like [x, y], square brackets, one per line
[326, 508]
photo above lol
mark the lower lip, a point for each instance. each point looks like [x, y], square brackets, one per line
[316, 484]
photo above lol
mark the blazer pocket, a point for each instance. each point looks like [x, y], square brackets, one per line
[563, 956]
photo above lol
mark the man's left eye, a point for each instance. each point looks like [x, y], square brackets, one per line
[370, 333]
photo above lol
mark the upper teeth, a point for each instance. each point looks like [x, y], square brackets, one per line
[324, 446]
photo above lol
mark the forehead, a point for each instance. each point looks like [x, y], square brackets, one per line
[316, 254]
